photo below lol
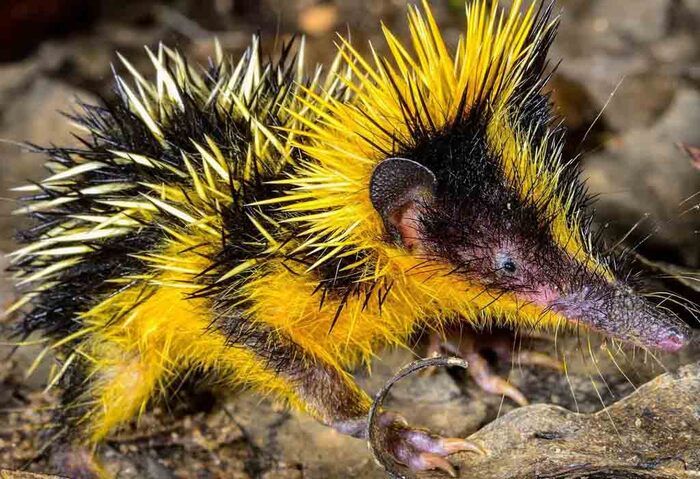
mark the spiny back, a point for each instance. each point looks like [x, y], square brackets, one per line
[187, 151]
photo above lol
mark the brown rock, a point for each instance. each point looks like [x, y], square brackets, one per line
[629, 23]
[7, 474]
[634, 49]
[643, 171]
[651, 433]
[34, 116]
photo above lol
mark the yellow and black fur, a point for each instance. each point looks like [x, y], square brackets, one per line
[244, 220]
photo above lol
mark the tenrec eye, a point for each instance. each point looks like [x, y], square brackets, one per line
[509, 266]
[505, 264]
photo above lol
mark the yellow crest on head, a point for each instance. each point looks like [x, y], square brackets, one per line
[396, 99]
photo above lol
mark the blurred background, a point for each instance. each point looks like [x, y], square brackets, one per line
[627, 88]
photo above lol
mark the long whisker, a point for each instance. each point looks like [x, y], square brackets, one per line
[629, 232]
[605, 409]
[602, 110]
[655, 358]
[565, 365]
[595, 365]
[611, 355]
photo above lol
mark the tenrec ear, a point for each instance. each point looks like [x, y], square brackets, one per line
[396, 189]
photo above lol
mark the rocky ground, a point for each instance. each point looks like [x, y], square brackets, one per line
[628, 88]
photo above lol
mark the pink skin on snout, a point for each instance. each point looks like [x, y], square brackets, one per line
[672, 343]
[668, 339]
